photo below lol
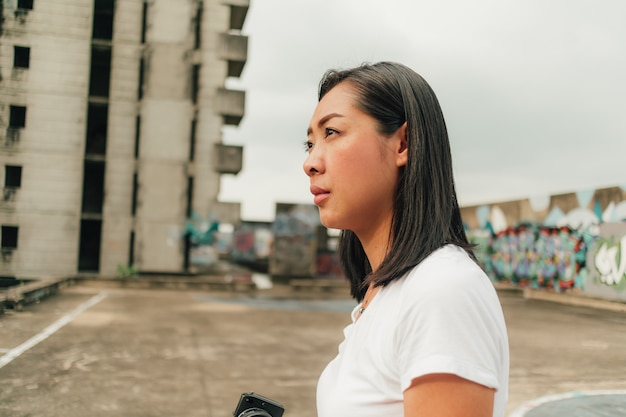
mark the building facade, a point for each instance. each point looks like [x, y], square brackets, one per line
[111, 117]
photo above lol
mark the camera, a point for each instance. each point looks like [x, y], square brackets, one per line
[255, 405]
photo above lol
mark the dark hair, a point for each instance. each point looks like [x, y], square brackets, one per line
[426, 213]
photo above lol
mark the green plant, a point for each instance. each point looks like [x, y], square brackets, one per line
[126, 271]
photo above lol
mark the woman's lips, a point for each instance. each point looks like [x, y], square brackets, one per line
[319, 194]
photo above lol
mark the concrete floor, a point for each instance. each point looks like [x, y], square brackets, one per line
[138, 352]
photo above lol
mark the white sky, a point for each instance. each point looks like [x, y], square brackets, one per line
[533, 91]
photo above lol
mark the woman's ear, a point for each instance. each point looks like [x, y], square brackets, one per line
[402, 147]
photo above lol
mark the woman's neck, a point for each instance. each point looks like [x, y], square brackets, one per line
[376, 243]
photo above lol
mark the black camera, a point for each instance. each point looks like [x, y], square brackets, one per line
[255, 405]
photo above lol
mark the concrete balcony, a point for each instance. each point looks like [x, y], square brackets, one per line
[228, 159]
[231, 105]
[238, 12]
[233, 48]
[229, 213]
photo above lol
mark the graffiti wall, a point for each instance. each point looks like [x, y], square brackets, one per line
[536, 256]
[199, 240]
[607, 256]
[545, 242]
[328, 265]
[251, 244]
[295, 240]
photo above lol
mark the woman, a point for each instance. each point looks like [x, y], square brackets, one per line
[428, 336]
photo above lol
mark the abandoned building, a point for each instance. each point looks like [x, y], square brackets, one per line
[111, 119]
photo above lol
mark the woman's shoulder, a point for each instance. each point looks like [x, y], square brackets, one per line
[447, 259]
[447, 269]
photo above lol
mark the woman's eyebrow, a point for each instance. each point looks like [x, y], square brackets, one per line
[323, 121]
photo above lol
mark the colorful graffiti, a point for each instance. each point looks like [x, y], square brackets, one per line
[544, 242]
[328, 265]
[243, 246]
[200, 231]
[199, 237]
[610, 261]
[607, 276]
[252, 243]
[295, 240]
[537, 256]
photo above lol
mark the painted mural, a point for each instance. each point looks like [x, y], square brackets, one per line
[252, 242]
[536, 256]
[200, 236]
[544, 242]
[607, 257]
[295, 240]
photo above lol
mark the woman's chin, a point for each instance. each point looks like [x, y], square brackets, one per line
[329, 221]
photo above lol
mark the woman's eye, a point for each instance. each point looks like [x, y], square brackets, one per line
[307, 145]
[329, 131]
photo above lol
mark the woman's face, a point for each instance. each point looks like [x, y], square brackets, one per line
[353, 168]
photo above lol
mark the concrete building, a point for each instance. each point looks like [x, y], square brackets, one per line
[111, 116]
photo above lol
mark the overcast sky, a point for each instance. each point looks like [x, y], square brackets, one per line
[533, 91]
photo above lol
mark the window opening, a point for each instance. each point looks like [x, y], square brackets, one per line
[133, 208]
[89, 245]
[192, 140]
[198, 27]
[144, 22]
[189, 196]
[187, 251]
[131, 249]
[25, 4]
[13, 176]
[9, 237]
[140, 87]
[97, 121]
[99, 81]
[103, 19]
[17, 116]
[93, 187]
[195, 82]
[137, 135]
[21, 57]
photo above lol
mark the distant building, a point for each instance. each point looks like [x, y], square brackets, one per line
[251, 245]
[302, 246]
[111, 116]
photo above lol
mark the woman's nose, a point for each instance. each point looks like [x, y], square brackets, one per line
[312, 164]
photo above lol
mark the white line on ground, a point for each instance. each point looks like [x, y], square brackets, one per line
[522, 410]
[50, 330]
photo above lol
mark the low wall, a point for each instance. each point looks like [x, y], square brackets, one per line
[607, 263]
[567, 242]
[590, 262]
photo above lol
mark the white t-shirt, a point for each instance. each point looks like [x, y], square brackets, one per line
[444, 316]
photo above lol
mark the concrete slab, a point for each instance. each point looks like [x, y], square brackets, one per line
[609, 403]
[161, 352]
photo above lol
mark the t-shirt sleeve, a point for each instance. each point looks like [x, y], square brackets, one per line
[450, 322]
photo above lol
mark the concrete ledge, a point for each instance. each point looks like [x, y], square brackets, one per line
[322, 284]
[223, 283]
[575, 299]
[226, 285]
[506, 288]
[16, 297]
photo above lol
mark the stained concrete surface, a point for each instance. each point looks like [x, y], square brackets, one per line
[190, 353]
[588, 404]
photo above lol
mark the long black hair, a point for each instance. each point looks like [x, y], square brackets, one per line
[426, 213]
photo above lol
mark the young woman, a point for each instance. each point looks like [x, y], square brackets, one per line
[428, 336]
